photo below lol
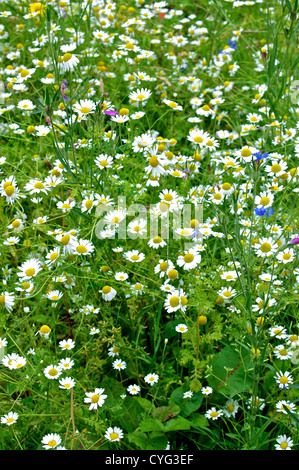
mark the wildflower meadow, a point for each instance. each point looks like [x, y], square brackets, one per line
[149, 225]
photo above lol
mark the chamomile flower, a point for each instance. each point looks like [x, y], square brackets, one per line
[118, 364]
[213, 413]
[231, 408]
[67, 383]
[283, 379]
[29, 269]
[96, 398]
[133, 389]
[151, 379]
[114, 434]
[51, 441]
[10, 418]
[283, 442]
[181, 328]
[52, 372]
[108, 293]
[7, 300]
[67, 344]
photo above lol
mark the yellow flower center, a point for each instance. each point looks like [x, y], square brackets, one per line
[265, 247]
[53, 256]
[95, 398]
[174, 301]
[283, 352]
[106, 289]
[67, 57]
[283, 380]
[52, 443]
[275, 168]
[265, 201]
[81, 249]
[172, 274]
[65, 239]
[52, 372]
[30, 272]
[10, 189]
[246, 153]
[85, 110]
[153, 161]
[284, 445]
[188, 258]
[45, 329]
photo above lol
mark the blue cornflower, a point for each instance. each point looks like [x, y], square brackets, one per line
[260, 156]
[232, 44]
[262, 211]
